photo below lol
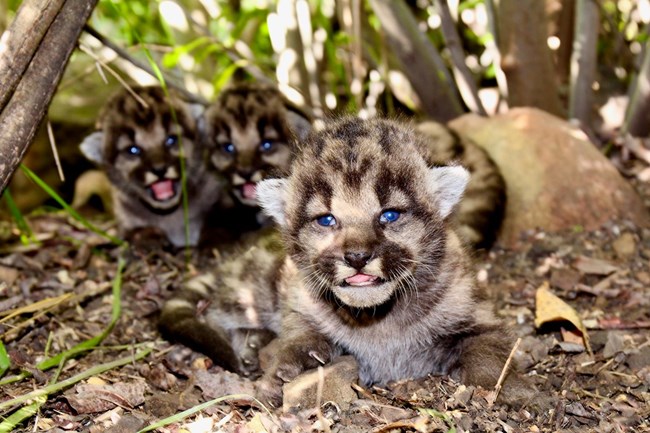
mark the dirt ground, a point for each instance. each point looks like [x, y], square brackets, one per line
[604, 275]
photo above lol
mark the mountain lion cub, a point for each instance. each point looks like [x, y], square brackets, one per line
[138, 145]
[250, 130]
[374, 268]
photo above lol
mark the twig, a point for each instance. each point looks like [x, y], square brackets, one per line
[101, 64]
[502, 377]
[319, 395]
[55, 152]
[126, 56]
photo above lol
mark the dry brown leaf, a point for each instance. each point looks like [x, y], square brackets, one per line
[90, 398]
[588, 265]
[550, 308]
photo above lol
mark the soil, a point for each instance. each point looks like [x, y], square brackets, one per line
[603, 275]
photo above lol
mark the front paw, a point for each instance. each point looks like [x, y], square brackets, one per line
[290, 361]
[268, 390]
[247, 344]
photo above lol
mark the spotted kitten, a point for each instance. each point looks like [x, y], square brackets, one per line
[250, 130]
[138, 146]
[481, 209]
[374, 267]
[241, 305]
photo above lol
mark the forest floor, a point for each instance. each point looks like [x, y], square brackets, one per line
[67, 280]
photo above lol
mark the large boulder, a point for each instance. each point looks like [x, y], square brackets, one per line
[556, 178]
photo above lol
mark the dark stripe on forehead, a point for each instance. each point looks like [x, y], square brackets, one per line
[387, 136]
[310, 185]
[350, 131]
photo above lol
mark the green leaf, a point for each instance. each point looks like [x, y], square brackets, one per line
[26, 234]
[25, 412]
[5, 362]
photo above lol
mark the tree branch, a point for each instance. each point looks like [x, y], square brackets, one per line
[126, 56]
[419, 59]
[466, 84]
[16, 50]
[24, 111]
[583, 61]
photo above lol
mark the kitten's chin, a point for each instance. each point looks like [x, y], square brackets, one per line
[365, 296]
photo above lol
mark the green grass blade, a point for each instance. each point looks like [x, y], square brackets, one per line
[26, 235]
[73, 213]
[56, 387]
[92, 342]
[5, 362]
[10, 423]
[182, 415]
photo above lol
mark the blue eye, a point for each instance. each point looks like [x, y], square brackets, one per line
[326, 220]
[134, 150]
[266, 145]
[171, 140]
[229, 148]
[389, 216]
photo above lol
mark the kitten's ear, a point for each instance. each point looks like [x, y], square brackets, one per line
[92, 147]
[448, 185]
[271, 196]
[299, 124]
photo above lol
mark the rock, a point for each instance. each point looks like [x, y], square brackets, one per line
[625, 245]
[302, 391]
[615, 344]
[556, 179]
[640, 359]
[127, 424]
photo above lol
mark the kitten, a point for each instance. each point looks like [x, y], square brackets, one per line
[378, 271]
[482, 207]
[250, 130]
[138, 145]
[240, 313]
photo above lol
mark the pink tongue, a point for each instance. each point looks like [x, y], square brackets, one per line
[163, 189]
[360, 278]
[248, 190]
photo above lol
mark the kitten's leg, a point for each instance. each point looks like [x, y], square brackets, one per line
[178, 322]
[481, 362]
[300, 348]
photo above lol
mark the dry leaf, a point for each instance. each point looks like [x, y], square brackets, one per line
[550, 308]
[588, 265]
[100, 398]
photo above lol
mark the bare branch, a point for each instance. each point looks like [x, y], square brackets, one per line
[464, 80]
[126, 56]
[24, 111]
[420, 61]
[583, 61]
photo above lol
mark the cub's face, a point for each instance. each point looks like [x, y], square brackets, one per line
[363, 215]
[139, 146]
[249, 131]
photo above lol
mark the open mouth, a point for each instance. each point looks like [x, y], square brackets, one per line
[163, 190]
[248, 191]
[362, 280]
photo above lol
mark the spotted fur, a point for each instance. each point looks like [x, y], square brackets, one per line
[250, 130]
[138, 146]
[393, 292]
[233, 311]
[480, 212]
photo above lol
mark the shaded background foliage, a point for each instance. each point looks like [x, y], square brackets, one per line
[422, 58]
